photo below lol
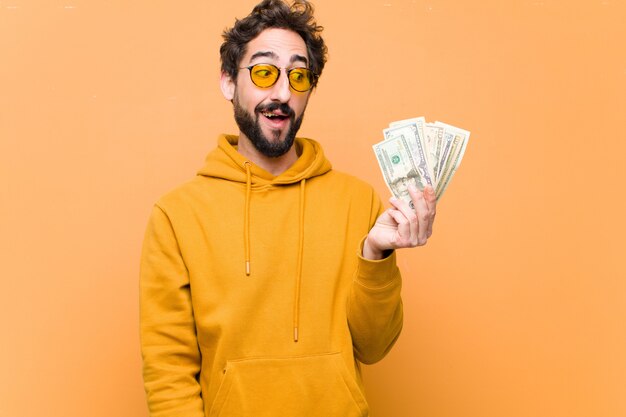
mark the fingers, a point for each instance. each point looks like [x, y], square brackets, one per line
[408, 227]
[431, 203]
[421, 213]
[404, 237]
[414, 226]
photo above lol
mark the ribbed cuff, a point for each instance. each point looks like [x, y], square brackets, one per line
[376, 273]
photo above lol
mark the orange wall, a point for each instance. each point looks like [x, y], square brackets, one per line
[515, 308]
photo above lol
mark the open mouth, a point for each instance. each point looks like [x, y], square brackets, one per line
[275, 116]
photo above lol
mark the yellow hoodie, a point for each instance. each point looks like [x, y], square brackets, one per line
[255, 299]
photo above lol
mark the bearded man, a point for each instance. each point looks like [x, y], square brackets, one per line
[268, 279]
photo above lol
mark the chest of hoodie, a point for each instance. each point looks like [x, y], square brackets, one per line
[230, 304]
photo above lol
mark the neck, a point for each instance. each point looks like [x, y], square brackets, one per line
[273, 165]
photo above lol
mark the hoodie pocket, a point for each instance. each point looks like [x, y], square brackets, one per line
[317, 385]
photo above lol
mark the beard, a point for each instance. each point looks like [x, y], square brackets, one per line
[249, 126]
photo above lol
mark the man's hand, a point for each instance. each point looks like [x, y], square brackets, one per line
[401, 227]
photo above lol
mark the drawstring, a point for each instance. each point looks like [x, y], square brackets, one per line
[246, 237]
[296, 301]
[246, 217]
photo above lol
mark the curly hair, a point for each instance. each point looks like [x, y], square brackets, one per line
[274, 14]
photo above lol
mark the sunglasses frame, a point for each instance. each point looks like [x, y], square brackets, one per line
[288, 71]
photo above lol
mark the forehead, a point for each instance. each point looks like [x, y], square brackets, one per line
[283, 44]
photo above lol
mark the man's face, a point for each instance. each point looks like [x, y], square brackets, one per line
[270, 117]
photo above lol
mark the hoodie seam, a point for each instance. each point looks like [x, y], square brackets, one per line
[362, 284]
[287, 357]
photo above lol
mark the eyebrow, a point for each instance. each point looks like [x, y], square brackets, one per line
[270, 54]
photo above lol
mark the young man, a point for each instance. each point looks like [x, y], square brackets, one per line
[269, 278]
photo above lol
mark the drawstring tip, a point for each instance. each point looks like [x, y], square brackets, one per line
[295, 334]
[247, 267]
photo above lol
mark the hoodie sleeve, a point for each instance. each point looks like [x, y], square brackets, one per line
[171, 357]
[374, 304]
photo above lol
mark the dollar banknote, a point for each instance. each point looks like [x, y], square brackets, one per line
[433, 135]
[417, 121]
[396, 162]
[411, 132]
[421, 153]
[454, 157]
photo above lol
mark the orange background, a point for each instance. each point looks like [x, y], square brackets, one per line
[516, 306]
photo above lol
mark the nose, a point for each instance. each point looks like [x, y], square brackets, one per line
[281, 91]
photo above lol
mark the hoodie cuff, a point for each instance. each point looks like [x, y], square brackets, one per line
[376, 273]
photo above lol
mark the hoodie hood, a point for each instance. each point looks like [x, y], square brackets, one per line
[227, 163]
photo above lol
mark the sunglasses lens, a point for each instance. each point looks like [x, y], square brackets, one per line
[264, 75]
[301, 79]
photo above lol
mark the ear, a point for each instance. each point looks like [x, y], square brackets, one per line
[228, 86]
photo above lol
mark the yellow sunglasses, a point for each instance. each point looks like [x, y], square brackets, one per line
[266, 75]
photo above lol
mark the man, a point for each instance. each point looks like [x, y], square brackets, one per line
[269, 278]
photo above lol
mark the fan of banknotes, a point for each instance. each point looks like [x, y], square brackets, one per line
[422, 153]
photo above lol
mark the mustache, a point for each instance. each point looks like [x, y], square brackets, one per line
[283, 107]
